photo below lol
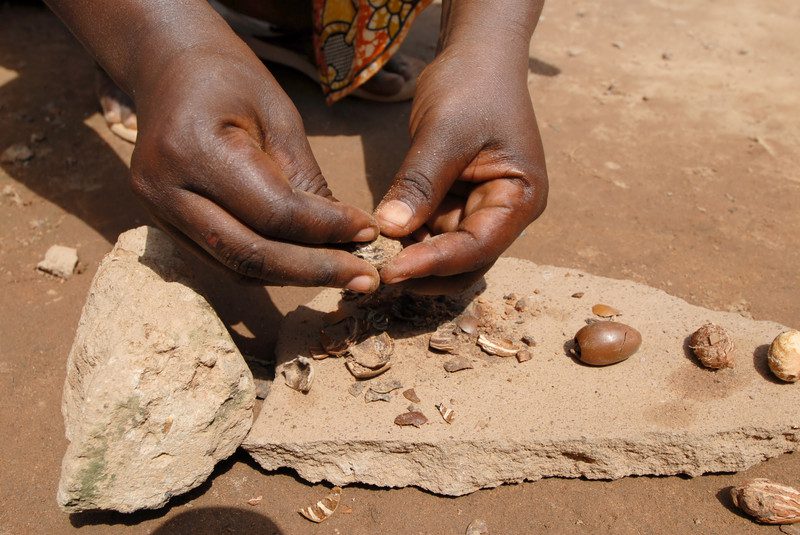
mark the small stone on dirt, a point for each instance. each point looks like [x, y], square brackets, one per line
[523, 355]
[11, 193]
[477, 527]
[18, 152]
[255, 501]
[59, 261]
[577, 295]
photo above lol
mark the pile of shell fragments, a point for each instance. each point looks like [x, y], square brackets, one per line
[362, 336]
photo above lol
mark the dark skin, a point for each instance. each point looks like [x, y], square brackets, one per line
[223, 163]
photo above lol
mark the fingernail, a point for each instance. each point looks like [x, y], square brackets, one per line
[362, 284]
[395, 212]
[366, 234]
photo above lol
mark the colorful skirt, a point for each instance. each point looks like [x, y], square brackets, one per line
[353, 39]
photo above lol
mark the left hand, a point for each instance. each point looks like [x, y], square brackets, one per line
[474, 176]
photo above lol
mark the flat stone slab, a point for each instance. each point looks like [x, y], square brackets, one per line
[657, 413]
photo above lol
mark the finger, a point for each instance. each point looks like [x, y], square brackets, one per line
[272, 262]
[496, 214]
[431, 166]
[258, 192]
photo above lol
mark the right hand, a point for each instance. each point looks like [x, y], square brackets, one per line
[223, 164]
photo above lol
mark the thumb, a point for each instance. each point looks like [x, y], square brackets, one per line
[431, 166]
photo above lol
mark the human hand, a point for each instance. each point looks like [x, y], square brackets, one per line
[223, 164]
[474, 176]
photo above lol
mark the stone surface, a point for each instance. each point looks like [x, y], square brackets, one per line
[59, 261]
[658, 412]
[156, 392]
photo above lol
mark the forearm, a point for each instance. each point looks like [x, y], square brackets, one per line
[134, 40]
[506, 26]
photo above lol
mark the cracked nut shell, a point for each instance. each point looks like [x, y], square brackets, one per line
[768, 502]
[712, 346]
[606, 342]
[784, 356]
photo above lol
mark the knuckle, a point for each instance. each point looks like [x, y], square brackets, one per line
[278, 216]
[325, 274]
[246, 260]
[310, 181]
[417, 186]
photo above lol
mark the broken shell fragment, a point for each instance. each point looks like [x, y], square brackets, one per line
[605, 311]
[447, 412]
[371, 396]
[444, 338]
[361, 372]
[317, 352]
[712, 346]
[768, 502]
[468, 323]
[497, 346]
[384, 387]
[356, 388]
[337, 337]
[606, 342]
[378, 252]
[457, 364]
[415, 418]
[374, 352]
[783, 356]
[298, 374]
[411, 395]
[323, 509]
[523, 355]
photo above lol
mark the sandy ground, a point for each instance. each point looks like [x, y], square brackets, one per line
[672, 134]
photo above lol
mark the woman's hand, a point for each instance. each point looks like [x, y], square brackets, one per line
[223, 164]
[474, 176]
[221, 159]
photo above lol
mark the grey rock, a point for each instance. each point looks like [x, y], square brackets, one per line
[156, 392]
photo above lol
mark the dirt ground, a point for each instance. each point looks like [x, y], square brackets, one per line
[673, 142]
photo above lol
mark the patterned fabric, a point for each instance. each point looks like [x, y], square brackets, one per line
[353, 39]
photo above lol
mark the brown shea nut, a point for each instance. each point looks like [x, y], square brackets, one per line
[606, 342]
[768, 502]
[784, 356]
[712, 345]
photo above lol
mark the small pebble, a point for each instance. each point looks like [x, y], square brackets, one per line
[477, 527]
[18, 152]
[59, 261]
